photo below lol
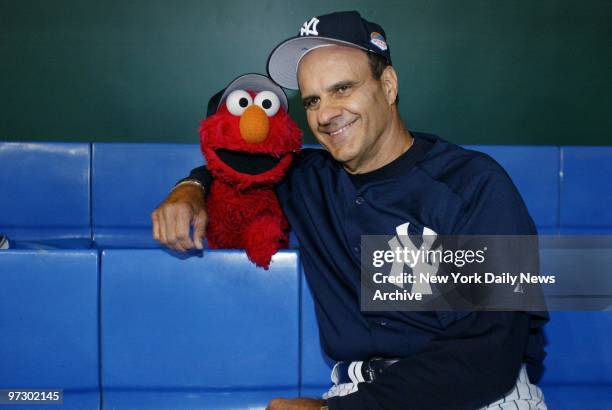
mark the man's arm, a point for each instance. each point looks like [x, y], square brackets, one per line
[474, 362]
[183, 208]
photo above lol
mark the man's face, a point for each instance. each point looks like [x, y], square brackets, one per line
[346, 108]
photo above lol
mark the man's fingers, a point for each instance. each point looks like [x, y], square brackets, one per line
[162, 229]
[155, 220]
[299, 403]
[275, 404]
[183, 221]
[170, 218]
[177, 218]
[199, 228]
[167, 231]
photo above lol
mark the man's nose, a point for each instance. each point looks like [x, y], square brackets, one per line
[327, 113]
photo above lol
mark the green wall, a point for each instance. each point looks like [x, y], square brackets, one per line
[472, 71]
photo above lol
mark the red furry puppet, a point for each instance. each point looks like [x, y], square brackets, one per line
[249, 142]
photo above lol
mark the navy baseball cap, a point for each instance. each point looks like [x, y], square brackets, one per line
[346, 28]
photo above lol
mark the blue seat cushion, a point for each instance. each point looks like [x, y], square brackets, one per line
[49, 323]
[586, 191]
[201, 324]
[578, 348]
[129, 181]
[578, 397]
[45, 194]
[316, 366]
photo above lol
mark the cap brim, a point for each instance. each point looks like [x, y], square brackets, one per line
[284, 59]
[255, 82]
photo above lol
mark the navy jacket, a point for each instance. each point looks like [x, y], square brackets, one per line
[461, 360]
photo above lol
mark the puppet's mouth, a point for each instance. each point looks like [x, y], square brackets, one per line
[247, 162]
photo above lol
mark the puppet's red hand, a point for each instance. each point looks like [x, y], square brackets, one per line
[263, 238]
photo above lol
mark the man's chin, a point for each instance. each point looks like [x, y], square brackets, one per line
[348, 160]
[340, 154]
[341, 151]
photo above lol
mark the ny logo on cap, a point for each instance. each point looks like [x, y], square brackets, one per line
[310, 27]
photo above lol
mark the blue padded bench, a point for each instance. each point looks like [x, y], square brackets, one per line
[586, 190]
[211, 332]
[129, 182]
[45, 194]
[121, 213]
[316, 366]
[49, 324]
[158, 346]
[579, 363]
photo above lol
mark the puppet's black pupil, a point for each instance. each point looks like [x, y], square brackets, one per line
[266, 104]
[243, 102]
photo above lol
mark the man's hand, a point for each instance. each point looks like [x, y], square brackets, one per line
[182, 208]
[295, 404]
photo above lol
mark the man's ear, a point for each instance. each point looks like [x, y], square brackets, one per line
[388, 79]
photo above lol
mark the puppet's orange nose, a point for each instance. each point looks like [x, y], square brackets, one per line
[254, 124]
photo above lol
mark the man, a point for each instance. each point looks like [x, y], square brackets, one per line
[374, 176]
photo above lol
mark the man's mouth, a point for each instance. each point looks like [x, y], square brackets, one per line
[247, 162]
[342, 130]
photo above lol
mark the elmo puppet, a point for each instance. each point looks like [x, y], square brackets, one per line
[249, 142]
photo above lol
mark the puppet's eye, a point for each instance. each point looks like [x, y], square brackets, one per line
[238, 101]
[268, 101]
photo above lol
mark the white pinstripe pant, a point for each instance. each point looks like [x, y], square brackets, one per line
[524, 395]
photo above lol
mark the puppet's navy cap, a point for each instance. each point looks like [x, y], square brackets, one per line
[254, 82]
[345, 28]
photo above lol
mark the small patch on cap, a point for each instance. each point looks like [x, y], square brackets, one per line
[378, 40]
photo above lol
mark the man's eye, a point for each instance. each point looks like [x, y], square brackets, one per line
[311, 103]
[343, 88]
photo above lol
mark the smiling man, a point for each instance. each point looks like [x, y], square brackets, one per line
[352, 113]
[374, 177]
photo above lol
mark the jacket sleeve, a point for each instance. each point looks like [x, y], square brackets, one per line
[200, 174]
[474, 362]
